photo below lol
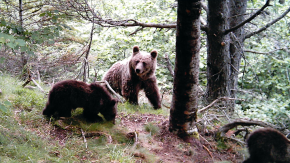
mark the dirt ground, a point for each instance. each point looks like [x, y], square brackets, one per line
[166, 146]
[170, 148]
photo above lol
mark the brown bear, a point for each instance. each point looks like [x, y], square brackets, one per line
[133, 74]
[268, 145]
[70, 94]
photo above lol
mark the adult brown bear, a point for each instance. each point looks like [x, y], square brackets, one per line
[70, 94]
[268, 145]
[131, 75]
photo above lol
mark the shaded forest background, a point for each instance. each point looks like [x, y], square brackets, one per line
[56, 40]
[50, 41]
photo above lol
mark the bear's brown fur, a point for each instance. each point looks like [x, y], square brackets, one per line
[129, 76]
[268, 145]
[70, 94]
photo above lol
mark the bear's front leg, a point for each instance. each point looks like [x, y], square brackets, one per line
[152, 92]
[130, 92]
[91, 116]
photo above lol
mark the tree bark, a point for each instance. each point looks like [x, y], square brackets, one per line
[218, 54]
[185, 89]
[237, 11]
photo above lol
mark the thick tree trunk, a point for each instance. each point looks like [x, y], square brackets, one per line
[185, 90]
[218, 54]
[237, 12]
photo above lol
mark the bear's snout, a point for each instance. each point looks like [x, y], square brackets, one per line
[138, 71]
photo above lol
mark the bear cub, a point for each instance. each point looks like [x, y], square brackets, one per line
[268, 145]
[133, 74]
[67, 95]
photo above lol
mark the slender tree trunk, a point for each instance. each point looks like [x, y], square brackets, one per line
[185, 90]
[218, 55]
[237, 12]
[24, 57]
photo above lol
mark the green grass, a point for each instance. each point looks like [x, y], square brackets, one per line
[25, 134]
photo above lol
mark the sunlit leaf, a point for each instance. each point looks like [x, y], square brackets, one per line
[20, 42]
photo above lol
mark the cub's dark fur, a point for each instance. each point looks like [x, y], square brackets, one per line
[70, 94]
[268, 145]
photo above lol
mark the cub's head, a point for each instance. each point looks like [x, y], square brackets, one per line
[143, 64]
[110, 110]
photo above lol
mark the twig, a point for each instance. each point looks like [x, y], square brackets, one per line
[207, 151]
[215, 101]
[237, 140]
[168, 64]
[37, 85]
[205, 140]
[85, 140]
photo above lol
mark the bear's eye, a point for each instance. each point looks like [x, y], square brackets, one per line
[144, 64]
[137, 62]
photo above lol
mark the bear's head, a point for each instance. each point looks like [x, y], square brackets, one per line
[110, 110]
[143, 64]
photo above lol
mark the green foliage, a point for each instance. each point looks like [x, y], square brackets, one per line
[265, 78]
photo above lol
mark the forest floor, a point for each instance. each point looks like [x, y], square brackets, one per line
[165, 146]
[150, 131]
[141, 134]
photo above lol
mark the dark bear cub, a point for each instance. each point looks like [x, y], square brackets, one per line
[133, 74]
[71, 94]
[268, 145]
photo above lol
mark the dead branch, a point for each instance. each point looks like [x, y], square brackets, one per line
[224, 129]
[31, 79]
[268, 25]
[85, 140]
[112, 90]
[86, 66]
[38, 86]
[249, 19]
[168, 64]
[215, 101]
[207, 151]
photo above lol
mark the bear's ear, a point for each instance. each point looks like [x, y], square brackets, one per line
[153, 54]
[135, 49]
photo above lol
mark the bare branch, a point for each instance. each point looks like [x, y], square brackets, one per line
[215, 101]
[168, 64]
[266, 53]
[268, 25]
[85, 140]
[111, 89]
[249, 19]
[224, 129]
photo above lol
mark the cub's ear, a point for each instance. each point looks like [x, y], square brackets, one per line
[135, 50]
[154, 54]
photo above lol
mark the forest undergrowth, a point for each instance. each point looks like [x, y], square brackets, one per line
[140, 134]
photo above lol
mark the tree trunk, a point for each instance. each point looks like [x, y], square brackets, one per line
[24, 56]
[185, 90]
[218, 55]
[237, 12]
